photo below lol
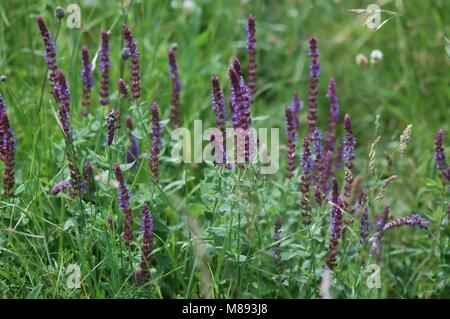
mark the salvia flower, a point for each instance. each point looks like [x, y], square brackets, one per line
[336, 224]
[50, 48]
[86, 77]
[60, 187]
[333, 116]
[219, 109]
[9, 142]
[176, 88]
[124, 204]
[105, 66]
[412, 220]
[133, 150]
[296, 107]
[2, 140]
[134, 64]
[317, 164]
[291, 140]
[156, 141]
[306, 165]
[364, 210]
[111, 121]
[276, 251]
[123, 90]
[314, 71]
[147, 233]
[349, 156]
[251, 54]
[439, 156]
[61, 89]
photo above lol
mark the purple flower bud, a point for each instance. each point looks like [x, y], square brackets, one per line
[111, 223]
[105, 65]
[306, 164]
[296, 107]
[134, 65]
[156, 141]
[336, 224]
[439, 156]
[123, 90]
[124, 203]
[251, 54]
[317, 165]
[291, 140]
[313, 82]
[86, 77]
[412, 220]
[111, 120]
[176, 88]
[8, 144]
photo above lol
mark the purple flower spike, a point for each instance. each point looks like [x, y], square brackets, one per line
[86, 77]
[50, 49]
[60, 187]
[313, 82]
[318, 165]
[412, 220]
[61, 89]
[219, 109]
[336, 224]
[276, 251]
[176, 88]
[333, 117]
[112, 125]
[123, 90]
[147, 233]
[364, 210]
[133, 150]
[105, 65]
[9, 142]
[439, 156]
[134, 65]
[349, 156]
[296, 107]
[291, 140]
[251, 54]
[306, 164]
[156, 141]
[124, 204]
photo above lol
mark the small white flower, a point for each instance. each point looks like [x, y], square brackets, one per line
[376, 56]
[189, 6]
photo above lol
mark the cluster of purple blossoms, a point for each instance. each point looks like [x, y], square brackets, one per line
[336, 224]
[60, 187]
[412, 220]
[439, 156]
[156, 141]
[176, 89]
[240, 108]
[124, 204]
[105, 65]
[61, 89]
[141, 272]
[8, 146]
[134, 65]
[296, 107]
[314, 71]
[86, 77]
[123, 90]
[251, 54]
[276, 251]
[133, 150]
[50, 49]
[112, 125]
[349, 156]
[306, 165]
[219, 110]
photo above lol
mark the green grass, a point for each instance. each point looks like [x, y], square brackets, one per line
[214, 227]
